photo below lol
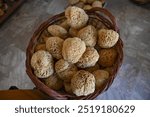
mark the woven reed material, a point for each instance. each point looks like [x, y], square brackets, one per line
[98, 16]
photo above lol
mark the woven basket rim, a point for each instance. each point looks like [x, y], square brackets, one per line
[110, 19]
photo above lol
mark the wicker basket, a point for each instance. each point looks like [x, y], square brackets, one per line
[98, 16]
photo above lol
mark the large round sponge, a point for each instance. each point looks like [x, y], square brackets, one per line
[72, 50]
[83, 83]
[42, 64]
[89, 58]
[107, 38]
[54, 46]
[41, 59]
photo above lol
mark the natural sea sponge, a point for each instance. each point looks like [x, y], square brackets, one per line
[54, 46]
[83, 83]
[76, 17]
[41, 59]
[65, 70]
[42, 64]
[88, 35]
[72, 50]
[107, 57]
[107, 38]
[58, 31]
[89, 58]
[100, 76]
[54, 82]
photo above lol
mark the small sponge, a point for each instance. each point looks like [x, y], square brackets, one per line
[58, 31]
[107, 38]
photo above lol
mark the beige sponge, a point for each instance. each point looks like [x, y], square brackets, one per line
[83, 83]
[54, 46]
[65, 70]
[41, 59]
[88, 35]
[72, 50]
[89, 58]
[107, 38]
[58, 31]
[76, 17]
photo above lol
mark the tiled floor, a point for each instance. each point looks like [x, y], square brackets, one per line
[133, 80]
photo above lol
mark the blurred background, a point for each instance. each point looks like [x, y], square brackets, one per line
[133, 79]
